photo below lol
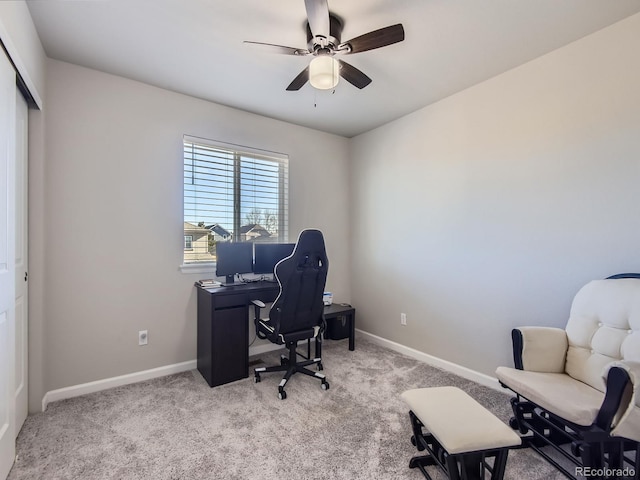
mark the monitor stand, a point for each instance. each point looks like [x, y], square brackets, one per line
[229, 281]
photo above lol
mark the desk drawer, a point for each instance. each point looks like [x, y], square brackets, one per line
[230, 301]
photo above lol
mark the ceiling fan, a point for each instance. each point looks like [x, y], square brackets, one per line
[323, 43]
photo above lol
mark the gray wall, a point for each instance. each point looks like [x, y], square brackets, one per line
[111, 202]
[491, 208]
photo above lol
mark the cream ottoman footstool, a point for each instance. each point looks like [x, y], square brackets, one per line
[460, 435]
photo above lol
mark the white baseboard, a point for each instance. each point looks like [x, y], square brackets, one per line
[481, 378]
[98, 385]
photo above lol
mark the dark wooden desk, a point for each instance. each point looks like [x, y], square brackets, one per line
[223, 329]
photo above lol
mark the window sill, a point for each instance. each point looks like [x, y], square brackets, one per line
[204, 267]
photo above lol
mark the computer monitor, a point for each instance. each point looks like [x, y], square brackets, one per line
[268, 254]
[233, 258]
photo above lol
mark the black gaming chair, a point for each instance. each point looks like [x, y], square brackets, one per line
[296, 314]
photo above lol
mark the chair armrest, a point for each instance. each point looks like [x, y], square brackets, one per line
[539, 349]
[257, 305]
[632, 368]
[621, 395]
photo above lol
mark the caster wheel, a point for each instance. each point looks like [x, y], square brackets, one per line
[256, 379]
[413, 440]
[324, 385]
[320, 367]
[282, 394]
[283, 360]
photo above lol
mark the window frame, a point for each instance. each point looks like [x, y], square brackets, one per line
[240, 154]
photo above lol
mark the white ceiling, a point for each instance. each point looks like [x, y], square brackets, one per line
[195, 47]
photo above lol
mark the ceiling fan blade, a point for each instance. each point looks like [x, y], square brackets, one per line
[376, 39]
[271, 48]
[299, 81]
[318, 15]
[354, 76]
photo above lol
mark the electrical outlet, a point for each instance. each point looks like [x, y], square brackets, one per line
[143, 337]
[403, 319]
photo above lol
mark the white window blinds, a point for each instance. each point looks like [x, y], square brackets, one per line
[232, 193]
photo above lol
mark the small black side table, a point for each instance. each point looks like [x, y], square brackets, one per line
[335, 310]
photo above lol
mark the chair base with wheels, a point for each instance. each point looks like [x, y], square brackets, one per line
[291, 365]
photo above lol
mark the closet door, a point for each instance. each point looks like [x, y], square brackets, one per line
[21, 263]
[7, 264]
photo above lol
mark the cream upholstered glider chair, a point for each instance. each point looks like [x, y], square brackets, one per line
[577, 389]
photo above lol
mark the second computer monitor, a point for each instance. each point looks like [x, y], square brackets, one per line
[266, 255]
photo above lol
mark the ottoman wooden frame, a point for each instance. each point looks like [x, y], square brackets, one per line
[459, 434]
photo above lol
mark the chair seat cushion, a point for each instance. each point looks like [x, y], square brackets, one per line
[265, 327]
[557, 393]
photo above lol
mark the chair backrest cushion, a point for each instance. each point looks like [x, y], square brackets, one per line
[302, 277]
[603, 327]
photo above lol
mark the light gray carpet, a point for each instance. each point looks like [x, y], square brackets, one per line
[176, 427]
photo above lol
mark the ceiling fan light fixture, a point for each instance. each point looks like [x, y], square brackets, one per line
[324, 72]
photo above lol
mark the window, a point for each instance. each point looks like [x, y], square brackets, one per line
[232, 193]
[188, 242]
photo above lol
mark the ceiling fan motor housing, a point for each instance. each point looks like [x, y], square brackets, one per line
[321, 43]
